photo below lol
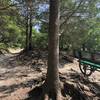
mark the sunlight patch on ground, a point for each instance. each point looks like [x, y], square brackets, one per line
[15, 50]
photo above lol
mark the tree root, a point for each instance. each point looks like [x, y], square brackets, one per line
[69, 91]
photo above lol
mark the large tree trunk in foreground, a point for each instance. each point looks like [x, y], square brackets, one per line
[53, 82]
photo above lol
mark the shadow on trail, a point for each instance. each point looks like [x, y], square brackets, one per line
[6, 90]
[90, 89]
[10, 68]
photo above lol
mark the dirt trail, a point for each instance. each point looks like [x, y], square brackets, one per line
[16, 79]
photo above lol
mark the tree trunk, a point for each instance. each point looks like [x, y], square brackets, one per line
[83, 47]
[30, 32]
[27, 34]
[52, 81]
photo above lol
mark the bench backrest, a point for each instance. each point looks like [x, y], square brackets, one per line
[93, 56]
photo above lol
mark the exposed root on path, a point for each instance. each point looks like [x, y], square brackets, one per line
[69, 91]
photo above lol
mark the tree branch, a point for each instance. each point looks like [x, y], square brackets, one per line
[5, 8]
[68, 17]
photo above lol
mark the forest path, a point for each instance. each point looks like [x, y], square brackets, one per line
[17, 79]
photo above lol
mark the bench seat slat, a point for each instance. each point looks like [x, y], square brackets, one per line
[90, 63]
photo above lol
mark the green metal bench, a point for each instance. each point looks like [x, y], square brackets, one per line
[88, 67]
[88, 62]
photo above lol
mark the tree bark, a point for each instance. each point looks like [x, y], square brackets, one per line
[30, 32]
[27, 34]
[52, 81]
